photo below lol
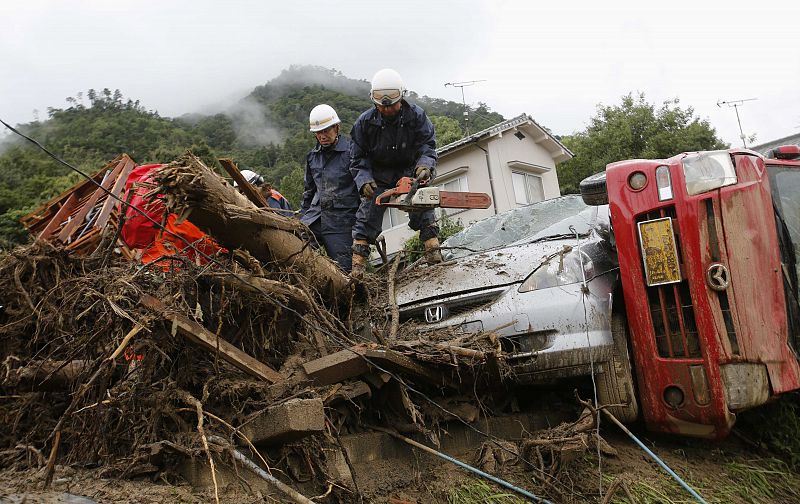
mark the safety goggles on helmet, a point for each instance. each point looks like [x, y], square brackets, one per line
[256, 181]
[386, 97]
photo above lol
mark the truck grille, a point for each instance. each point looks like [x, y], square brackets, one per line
[671, 310]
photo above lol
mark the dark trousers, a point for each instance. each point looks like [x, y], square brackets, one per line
[338, 245]
[369, 221]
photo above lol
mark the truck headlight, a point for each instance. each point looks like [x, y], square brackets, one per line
[560, 269]
[706, 171]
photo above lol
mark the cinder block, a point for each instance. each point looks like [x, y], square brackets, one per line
[286, 422]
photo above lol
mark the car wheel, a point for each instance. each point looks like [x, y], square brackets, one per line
[593, 189]
[615, 384]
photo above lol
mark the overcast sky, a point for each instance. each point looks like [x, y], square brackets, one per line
[555, 61]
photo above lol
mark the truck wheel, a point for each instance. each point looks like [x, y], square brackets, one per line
[615, 384]
[593, 189]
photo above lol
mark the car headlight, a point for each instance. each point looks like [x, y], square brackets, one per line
[706, 171]
[559, 269]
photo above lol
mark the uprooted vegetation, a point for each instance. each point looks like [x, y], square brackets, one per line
[140, 371]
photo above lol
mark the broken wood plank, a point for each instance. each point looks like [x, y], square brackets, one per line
[398, 362]
[248, 190]
[337, 366]
[62, 213]
[199, 335]
[80, 217]
[348, 392]
[119, 185]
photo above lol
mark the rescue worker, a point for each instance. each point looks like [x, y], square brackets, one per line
[274, 199]
[389, 141]
[330, 197]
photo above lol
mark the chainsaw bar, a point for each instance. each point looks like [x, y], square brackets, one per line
[425, 198]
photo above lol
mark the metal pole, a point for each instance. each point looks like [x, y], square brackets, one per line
[466, 114]
[741, 133]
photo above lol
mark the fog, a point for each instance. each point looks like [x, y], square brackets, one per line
[555, 62]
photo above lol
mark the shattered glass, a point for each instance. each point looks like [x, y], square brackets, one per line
[549, 218]
[785, 188]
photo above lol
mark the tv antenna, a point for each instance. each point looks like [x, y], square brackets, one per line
[462, 85]
[736, 104]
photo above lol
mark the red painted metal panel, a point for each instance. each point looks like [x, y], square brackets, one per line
[735, 226]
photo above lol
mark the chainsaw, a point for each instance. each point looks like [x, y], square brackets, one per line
[412, 195]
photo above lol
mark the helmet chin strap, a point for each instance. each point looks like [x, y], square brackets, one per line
[335, 141]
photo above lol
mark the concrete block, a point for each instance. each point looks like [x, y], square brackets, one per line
[286, 422]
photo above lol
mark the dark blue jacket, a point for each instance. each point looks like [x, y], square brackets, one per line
[384, 151]
[329, 191]
[279, 202]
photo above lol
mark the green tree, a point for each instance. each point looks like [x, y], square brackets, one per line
[96, 126]
[447, 130]
[291, 186]
[634, 129]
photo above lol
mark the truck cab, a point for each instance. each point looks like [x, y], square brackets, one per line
[709, 247]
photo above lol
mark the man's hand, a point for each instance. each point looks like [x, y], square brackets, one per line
[423, 173]
[368, 189]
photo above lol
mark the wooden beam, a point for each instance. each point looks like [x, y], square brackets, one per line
[62, 213]
[79, 217]
[248, 190]
[338, 366]
[399, 363]
[199, 335]
[119, 185]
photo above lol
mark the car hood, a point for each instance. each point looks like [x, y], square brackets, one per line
[495, 268]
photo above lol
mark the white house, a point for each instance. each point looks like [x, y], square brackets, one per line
[514, 162]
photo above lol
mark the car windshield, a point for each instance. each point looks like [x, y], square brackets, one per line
[551, 217]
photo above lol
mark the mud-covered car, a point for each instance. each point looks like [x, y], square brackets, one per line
[543, 278]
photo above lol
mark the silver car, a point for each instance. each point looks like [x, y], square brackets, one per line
[542, 278]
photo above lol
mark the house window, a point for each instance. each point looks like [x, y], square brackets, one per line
[393, 217]
[527, 188]
[458, 184]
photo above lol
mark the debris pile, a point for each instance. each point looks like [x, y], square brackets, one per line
[263, 355]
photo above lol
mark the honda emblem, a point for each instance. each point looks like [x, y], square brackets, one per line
[718, 277]
[435, 314]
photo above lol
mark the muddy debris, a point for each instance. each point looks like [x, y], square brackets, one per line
[222, 365]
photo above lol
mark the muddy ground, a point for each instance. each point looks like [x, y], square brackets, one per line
[735, 470]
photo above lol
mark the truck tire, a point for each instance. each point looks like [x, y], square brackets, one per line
[615, 385]
[593, 189]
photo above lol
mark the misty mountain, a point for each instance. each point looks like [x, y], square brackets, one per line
[266, 131]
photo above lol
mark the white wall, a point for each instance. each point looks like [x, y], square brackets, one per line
[502, 149]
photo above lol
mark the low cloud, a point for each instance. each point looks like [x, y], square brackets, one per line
[250, 122]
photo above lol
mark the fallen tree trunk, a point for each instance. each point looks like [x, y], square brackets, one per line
[48, 375]
[193, 191]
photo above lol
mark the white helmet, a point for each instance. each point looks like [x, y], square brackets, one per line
[251, 177]
[387, 87]
[321, 117]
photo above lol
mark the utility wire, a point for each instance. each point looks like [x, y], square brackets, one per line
[302, 317]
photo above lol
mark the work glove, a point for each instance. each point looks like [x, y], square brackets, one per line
[423, 173]
[368, 189]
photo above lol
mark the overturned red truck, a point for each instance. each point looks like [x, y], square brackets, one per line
[709, 257]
